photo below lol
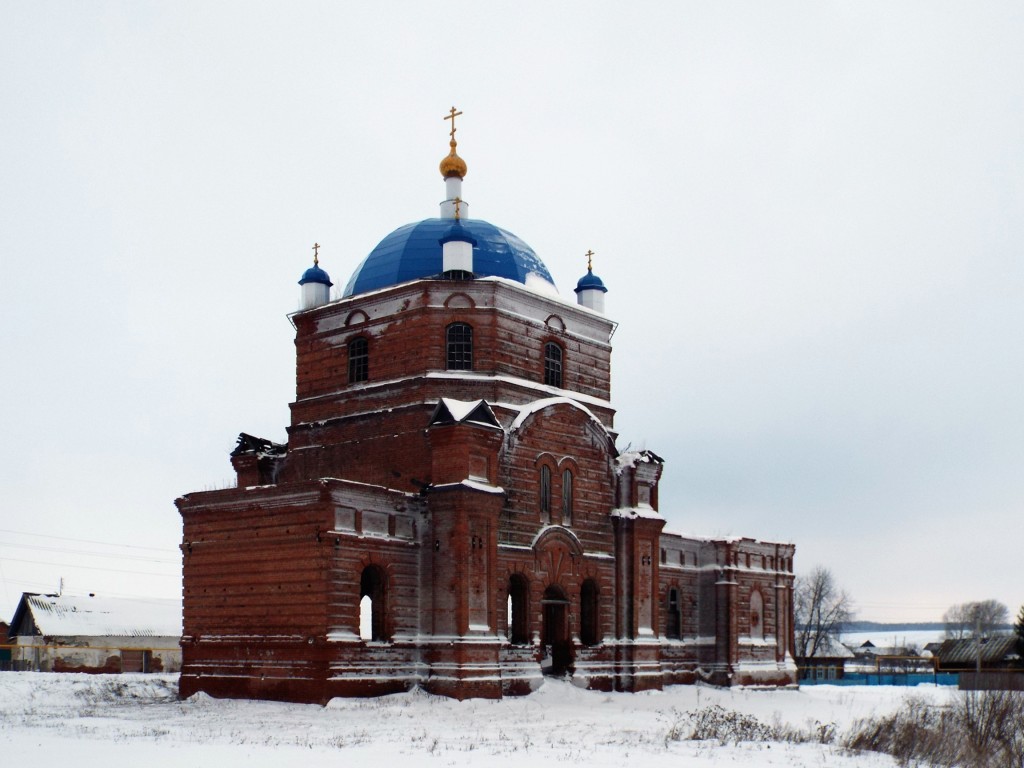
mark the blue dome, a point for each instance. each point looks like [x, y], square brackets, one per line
[591, 281]
[414, 251]
[315, 275]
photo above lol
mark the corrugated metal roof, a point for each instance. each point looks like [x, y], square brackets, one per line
[994, 651]
[67, 616]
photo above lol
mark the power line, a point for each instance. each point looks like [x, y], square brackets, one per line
[91, 567]
[112, 555]
[86, 541]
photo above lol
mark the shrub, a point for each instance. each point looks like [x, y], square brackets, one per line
[731, 727]
[982, 729]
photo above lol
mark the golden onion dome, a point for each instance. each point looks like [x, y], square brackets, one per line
[453, 165]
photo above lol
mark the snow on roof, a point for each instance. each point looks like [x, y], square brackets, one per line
[67, 615]
[634, 512]
[538, 405]
[830, 648]
[632, 458]
[460, 409]
[476, 485]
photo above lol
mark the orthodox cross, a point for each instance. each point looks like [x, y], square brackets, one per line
[590, 264]
[458, 202]
[451, 116]
[316, 254]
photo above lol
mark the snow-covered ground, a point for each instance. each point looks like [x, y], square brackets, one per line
[122, 720]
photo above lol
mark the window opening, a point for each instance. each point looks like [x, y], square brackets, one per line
[460, 347]
[673, 618]
[372, 608]
[545, 493]
[756, 615]
[567, 497]
[358, 360]
[552, 364]
[518, 617]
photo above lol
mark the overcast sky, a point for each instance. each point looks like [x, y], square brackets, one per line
[809, 216]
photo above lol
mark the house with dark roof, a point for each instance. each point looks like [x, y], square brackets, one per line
[993, 653]
[64, 633]
[828, 661]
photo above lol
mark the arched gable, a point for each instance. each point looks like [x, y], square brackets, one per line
[554, 443]
[557, 557]
[530, 412]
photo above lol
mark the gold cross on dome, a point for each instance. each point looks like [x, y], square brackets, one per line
[451, 116]
[316, 254]
[458, 202]
[590, 263]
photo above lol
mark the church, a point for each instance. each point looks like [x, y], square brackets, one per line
[450, 510]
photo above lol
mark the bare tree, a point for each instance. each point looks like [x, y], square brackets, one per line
[956, 619]
[965, 620]
[821, 609]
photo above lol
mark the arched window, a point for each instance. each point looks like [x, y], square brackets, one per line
[567, 497]
[518, 607]
[545, 493]
[589, 613]
[459, 338]
[552, 364]
[373, 604]
[358, 360]
[673, 615]
[756, 616]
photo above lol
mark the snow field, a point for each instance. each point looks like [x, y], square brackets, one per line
[114, 720]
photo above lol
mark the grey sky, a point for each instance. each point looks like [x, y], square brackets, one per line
[809, 217]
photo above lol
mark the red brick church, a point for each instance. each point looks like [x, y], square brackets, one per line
[451, 511]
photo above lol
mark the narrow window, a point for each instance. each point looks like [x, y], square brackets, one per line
[372, 604]
[545, 493]
[589, 634]
[518, 622]
[358, 360]
[673, 615]
[552, 364]
[756, 616]
[567, 497]
[460, 347]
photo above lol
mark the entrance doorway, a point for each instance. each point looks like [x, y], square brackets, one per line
[555, 634]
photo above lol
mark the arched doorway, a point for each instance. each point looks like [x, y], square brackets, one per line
[518, 611]
[373, 604]
[555, 634]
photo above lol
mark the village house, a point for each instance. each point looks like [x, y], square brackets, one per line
[64, 633]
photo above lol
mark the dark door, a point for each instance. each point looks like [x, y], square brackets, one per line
[555, 633]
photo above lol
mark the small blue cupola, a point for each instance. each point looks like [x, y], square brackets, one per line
[590, 289]
[316, 284]
[457, 249]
